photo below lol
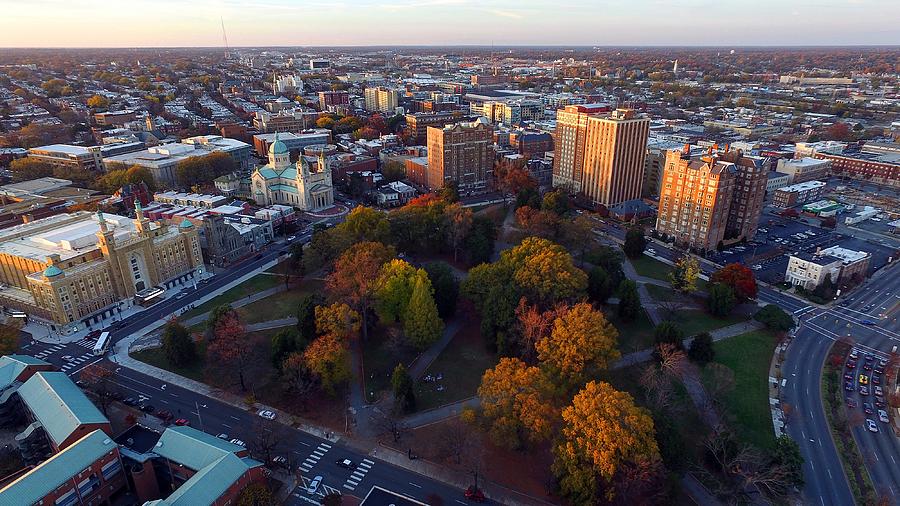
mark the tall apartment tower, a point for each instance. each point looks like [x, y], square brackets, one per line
[600, 156]
[711, 200]
[381, 99]
[463, 153]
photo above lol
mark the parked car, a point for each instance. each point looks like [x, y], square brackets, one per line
[313, 485]
[851, 403]
[863, 390]
[238, 442]
[164, 415]
[223, 436]
[129, 401]
[182, 422]
[848, 386]
[851, 364]
[878, 390]
[883, 416]
[870, 424]
[849, 375]
[474, 494]
[876, 380]
[867, 407]
[147, 408]
[863, 379]
[267, 414]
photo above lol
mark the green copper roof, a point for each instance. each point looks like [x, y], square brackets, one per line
[193, 448]
[186, 224]
[11, 366]
[208, 484]
[58, 404]
[32, 487]
[52, 271]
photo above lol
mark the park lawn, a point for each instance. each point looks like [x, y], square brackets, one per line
[748, 356]
[461, 365]
[382, 351]
[633, 336]
[255, 284]
[279, 305]
[651, 268]
[693, 321]
[157, 358]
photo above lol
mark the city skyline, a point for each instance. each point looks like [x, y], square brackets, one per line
[53, 23]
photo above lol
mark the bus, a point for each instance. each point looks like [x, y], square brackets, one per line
[17, 315]
[102, 345]
[149, 297]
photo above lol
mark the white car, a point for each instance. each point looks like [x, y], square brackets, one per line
[267, 414]
[314, 484]
[238, 442]
[883, 416]
[68, 358]
[651, 251]
[870, 424]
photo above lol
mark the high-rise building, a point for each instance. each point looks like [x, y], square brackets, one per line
[463, 153]
[711, 200]
[381, 99]
[333, 99]
[600, 156]
[418, 123]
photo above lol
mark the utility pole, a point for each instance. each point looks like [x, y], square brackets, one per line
[197, 406]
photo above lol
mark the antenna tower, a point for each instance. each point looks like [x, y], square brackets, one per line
[224, 36]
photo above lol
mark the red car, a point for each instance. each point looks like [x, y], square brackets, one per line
[182, 421]
[474, 494]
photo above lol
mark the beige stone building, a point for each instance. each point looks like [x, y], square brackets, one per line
[73, 268]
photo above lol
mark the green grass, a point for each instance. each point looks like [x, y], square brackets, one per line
[651, 268]
[633, 336]
[662, 293]
[381, 354]
[694, 321]
[748, 356]
[461, 364]
[255, 284]
[279, 305]
[157, 358]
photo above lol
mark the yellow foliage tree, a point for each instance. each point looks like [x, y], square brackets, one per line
[685, 273]
[545, 270]
[581, 338]
[328, 358]
[514, 397]
[337, 320]
[602, 431]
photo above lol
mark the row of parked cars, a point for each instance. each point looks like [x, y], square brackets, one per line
[868, 383]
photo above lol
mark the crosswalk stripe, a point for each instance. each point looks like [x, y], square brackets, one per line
[317, 452]
[370, 462]
[364, 465]
[309, 462]
[348, 487]
[315, 457]
[326, 445]
[359, 473]
[353, 482]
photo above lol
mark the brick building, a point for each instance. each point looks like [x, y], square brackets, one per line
[462, 153]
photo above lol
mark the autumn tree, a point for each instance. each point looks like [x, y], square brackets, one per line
[98, 379]
[256, 494]
[177, 344]
[629, 301]
[231, 348]
[421, 322]
[721, 300]
[9, 337]
[98, 102]
[635, 242]
[284, 343]
[459, 223]
[515, 401]
[328, 358]
[545, 271]
[533, 326]
[404, 394]
[366, 224]
[578, 235]
[581, 339]
[337, 319]
[740, 278]
[603, 430]
[684, 274]
[355, 276]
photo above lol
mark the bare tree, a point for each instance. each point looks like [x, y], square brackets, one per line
[99, 380]
[721, 382]
[390, 422]
[455, 439]
[265, 439]
[670, 307]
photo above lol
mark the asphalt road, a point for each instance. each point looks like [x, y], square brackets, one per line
[308, 455]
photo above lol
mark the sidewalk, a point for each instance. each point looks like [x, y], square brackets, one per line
[441, 413]
[236, 304]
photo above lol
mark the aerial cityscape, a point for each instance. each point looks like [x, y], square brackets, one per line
[443, 252]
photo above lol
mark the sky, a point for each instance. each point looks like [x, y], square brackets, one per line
[161, 23]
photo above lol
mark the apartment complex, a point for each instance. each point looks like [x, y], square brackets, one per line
[419, 123]
[796, 194]
[381, 99]
[328, 100]
[462, 153]
[69, 157]
[74, 268]
[877, 163]
[600, 156]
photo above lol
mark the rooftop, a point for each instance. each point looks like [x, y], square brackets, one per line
[805, 186]
[58, 404]
[33, 487]
[192, 448]
[848, 256]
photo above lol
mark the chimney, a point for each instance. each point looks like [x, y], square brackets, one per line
[687, 149]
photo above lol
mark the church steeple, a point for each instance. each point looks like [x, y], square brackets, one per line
[141, 222]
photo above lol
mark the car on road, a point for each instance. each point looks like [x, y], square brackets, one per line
[867, 407]
[883, 416]
[164, 415]
[867, 322]
[280, 460]
[870, 424]
[291, 238]
[94, 334]
[346, 463]
[267, 414]
[651, 251]
[238, 442]
[68, 358]
[182, 422]
[130, 401]
[474, 494]
[314, 485]
[223, 436]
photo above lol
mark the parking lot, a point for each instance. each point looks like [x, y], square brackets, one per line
[863, 387]
[777, 237]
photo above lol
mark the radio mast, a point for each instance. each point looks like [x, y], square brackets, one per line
[224, 37]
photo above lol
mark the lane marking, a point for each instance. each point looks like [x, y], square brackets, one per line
[413, 484]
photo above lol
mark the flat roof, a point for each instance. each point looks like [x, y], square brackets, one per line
[68, 149]
[800, 187]
[849, 256]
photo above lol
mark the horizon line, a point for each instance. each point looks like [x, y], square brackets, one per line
[487, 45]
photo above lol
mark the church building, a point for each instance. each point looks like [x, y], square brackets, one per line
[281, 182]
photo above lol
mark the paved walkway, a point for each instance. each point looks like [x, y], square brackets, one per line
[235, 304]
[441, 413]
[648, 302]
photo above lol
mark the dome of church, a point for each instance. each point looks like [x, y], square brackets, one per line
[278, 147]
[186, 224]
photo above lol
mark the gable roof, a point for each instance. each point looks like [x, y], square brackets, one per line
[209, 483]
[11, 366]
[58, 404]
[34, 485]
[192, 448]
